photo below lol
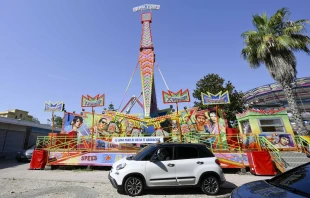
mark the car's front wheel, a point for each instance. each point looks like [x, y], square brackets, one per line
[133, 186]
[210, 185]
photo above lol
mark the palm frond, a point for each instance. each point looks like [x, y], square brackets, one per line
[302, 21]
[300, 43]
[248, 33]
[277, 19]
[259, 22]
[250, 54]
[285, 41]
[293, 29]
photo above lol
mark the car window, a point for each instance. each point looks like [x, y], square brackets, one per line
[204, 152]
[31, 147]
[185, 152]
[145, 154]
[164, 154]
[298, 179]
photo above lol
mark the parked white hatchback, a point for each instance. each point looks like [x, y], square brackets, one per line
[168, 165]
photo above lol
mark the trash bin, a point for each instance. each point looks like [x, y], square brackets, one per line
[38, 160]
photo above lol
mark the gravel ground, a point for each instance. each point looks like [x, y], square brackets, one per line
[17, 181]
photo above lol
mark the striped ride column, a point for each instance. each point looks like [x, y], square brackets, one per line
[146, 60]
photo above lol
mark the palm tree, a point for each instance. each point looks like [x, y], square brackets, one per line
[273, 43]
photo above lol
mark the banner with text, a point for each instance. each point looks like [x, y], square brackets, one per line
[219, 98]
[180, 96]
[136, 140]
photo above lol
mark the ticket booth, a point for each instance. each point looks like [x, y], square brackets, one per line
[273, 124]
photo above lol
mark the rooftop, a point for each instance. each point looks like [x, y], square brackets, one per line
[26, 123]
[13, 110]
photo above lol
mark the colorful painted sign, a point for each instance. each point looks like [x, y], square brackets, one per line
[204, 121]
[54, 107]
[211, 99]
[136, 140]
[280, 140]
[180, 96]
[228, 160]
[93, 159]
[146, 7]
[88, 101]
[232, 160]
[104, 125]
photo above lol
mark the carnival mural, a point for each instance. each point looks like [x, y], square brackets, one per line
[203, 121]
[280, 141]
[104, 125]
[208, 126]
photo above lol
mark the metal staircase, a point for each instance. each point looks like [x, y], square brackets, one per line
[286, 160]
[293, 159]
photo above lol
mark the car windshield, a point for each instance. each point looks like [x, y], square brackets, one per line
[146, 152]
[296, 181]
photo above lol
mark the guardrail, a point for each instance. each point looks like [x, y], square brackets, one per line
[228, 143]
[303, 144]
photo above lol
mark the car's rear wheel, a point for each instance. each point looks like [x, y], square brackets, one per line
[210, 185]
[133, 186]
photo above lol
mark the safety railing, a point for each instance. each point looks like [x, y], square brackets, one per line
[303, 144]
[227, 143]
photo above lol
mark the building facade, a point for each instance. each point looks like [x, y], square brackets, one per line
[16, 114]
[273, 96]
[17, 134]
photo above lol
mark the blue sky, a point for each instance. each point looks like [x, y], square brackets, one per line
[58, 50]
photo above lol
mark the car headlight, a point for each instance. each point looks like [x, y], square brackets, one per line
[120, 166]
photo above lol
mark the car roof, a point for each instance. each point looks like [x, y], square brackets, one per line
[180, 144]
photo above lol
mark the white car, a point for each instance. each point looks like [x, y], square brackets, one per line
[168, 165]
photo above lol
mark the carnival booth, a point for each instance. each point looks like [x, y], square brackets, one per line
[271, 132]
[272, 125]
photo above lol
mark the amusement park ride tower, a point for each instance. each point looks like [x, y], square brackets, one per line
[147, 60]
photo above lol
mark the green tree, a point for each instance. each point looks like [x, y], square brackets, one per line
[213, 83]
[273, 43]
[111, 107]
[58, 121]
[36, 120]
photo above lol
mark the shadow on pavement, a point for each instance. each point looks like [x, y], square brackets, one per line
[226, 189]
[9, 163]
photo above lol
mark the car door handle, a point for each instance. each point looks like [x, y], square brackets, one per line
[199, 162]
[170, 165]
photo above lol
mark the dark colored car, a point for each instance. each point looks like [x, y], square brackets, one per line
[25, 155]
[290, 184]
